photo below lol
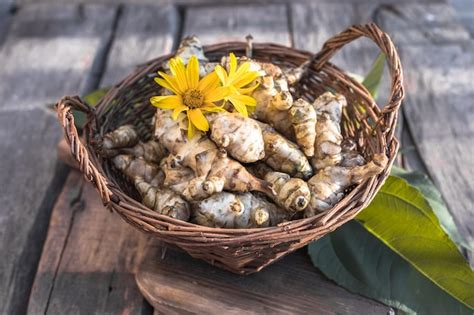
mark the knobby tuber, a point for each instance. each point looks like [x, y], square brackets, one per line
[327, 186]
[292, 194]
[328, 108]
[205, 159]
[228, 210]
[268, 98]
[239, 135]
[136, 167]
[350, 155]
[151, 151]
[284, 156]
[124, 136]
[162, 200]
[303, 118]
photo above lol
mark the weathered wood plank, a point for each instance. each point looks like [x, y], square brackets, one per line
[89, 258]
[143, 32]
[90, 255]
[213, 2]
[438, 106]
[415, 23]
[27, 174]
[266, 23]
[439, 111]
[58, 45]
[291, 286]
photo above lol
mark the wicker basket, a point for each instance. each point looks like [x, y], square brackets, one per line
[242, 251]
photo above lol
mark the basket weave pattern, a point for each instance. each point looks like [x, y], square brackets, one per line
[242, 251]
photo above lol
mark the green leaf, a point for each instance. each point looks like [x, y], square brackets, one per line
[435, 200]
[374, 77]
[358, 261]
[91, 99]
[401, 218]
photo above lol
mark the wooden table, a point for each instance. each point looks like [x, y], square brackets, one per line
[62, 253]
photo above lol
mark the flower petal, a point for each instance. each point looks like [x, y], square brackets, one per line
[166, 85]
[233, 64]
[239, 106]
[249, 89]
[216, 94]
[177, 110]
[245, 79]
[191, 130]
[172, 81]
[210, 107]
[221, 73]
[243, 68]
[245, 99]
[166, 101]
[210, 81]
[178, 70]
[198, 119]
[192, 72]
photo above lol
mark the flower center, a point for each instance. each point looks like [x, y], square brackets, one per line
[193, 98]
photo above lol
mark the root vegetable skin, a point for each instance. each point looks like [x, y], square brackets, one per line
[328, 185]
[303, 118]
[284, 156]
[239, 135]
[136, 167]
[227, 210]
[229, 174]
[292, 194]
[150, 151]
[124, 136]
[328, 108]
[205, 159]
[163, 200]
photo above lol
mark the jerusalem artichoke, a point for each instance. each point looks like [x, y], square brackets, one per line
[350, 156]
[269, 100]
[292, 194]
[239, 135]
[136, 167]
[284, 156]
[205, 159]
[227, 210]
[151, 151]
[124, 136]
[162, 200]
[327, 186]
[328, 108]
[303, 118]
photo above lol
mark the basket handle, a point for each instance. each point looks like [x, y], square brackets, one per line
[78, 150]
[384, 42]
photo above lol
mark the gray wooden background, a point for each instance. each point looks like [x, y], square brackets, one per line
[50, 48]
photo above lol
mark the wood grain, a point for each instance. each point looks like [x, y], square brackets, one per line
[290, 286]
[30, 175]
[58, 45]
[144, 32]
[440, 111]
[438, 107]
[89, 258]
[90, 254]
[266, 23]
[421, 23]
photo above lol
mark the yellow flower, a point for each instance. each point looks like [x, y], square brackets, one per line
[193, 96]
[236, 81]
